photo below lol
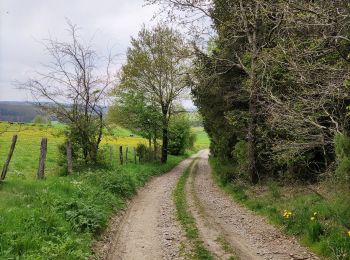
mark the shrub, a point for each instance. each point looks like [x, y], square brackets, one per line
[342, 151]
[240, 154]
[144, 153]
[180, 135]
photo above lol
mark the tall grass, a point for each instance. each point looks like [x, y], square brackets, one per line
[57, 218]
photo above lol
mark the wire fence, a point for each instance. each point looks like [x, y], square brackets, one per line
[26, 154]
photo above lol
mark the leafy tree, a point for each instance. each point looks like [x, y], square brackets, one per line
[156, 70]
[38, 119]
[132, 111]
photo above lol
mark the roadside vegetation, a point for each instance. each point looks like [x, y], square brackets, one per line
[59, 217]
[272, 86]
[196, 248]
[318, 215]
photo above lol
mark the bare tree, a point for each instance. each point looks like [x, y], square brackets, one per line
[73, 88]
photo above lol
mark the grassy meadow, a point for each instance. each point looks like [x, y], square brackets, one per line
[202, 139]
[59, 217]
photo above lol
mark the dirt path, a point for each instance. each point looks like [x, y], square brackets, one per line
[149, 229]
[223, 223]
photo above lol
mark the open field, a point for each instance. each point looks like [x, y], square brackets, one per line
[202, 139]
[26, 154]
[60, 216]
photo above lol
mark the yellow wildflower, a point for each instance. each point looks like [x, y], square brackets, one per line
[287, 214]
[349, 233]
[315, 213]
[312, 218]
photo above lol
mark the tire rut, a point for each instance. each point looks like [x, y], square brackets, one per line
[149, 229]
[218, 218]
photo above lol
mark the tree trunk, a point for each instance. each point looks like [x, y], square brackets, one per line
[165, 145]
[155, 147]
[135, 158]
[121, 155]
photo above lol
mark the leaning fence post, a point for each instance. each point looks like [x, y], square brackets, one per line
[9, 156]
[121, 154]
[126, 154]
[135, 159]
[43, 150]
[69, 158]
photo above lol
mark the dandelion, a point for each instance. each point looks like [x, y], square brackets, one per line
[312, 218]
[315, 213]
[287, 214]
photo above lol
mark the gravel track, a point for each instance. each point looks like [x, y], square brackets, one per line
[250, 235]
[148, 229]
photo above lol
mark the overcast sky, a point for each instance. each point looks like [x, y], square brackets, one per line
[23, 24]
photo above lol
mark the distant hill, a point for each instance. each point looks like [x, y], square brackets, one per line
[18, 111]
[15, 111]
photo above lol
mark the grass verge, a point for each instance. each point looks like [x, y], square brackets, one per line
[319, 222]
[187, 220]
[58, 218]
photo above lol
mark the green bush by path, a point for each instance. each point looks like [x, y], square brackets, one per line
[321, 223]
[57, 218]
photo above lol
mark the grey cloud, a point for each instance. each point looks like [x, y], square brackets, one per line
[24, 23]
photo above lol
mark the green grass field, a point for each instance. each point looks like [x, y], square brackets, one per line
[202, 139]
[60, 216]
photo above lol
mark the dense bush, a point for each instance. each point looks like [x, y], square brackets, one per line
[144, 153]
[342, 150]
[180, 135]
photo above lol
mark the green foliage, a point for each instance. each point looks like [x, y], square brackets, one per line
[180, 135]
[342, 150]
[132, 111]
[240, 154]
[58, 218]
[40, 120]
[144, 152]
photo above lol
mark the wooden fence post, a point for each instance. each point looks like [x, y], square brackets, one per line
[43, 150]
[69, 158]
[135, 159]
[111, 154]
[126, 154]
[121, 154]
[9, 156]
